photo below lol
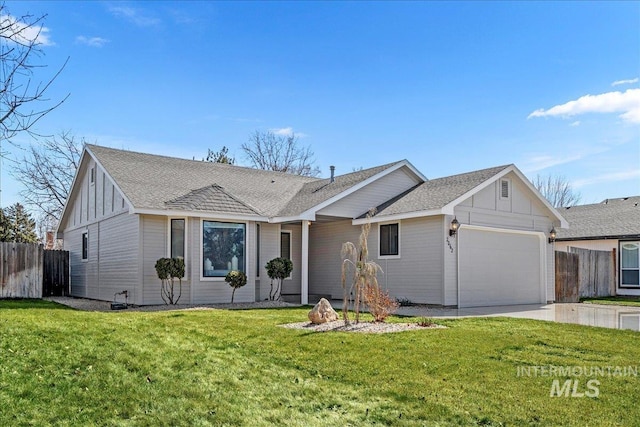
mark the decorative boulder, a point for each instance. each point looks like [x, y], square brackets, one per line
[322, 313]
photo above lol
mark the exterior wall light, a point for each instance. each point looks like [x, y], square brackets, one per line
[552, 235]
[455, 225]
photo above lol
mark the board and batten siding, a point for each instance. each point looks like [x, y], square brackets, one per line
[522, 210]
[372, 195]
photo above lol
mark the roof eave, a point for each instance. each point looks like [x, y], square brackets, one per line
[200, 214]
[397, 217]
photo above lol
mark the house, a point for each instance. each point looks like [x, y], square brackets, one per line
[127, 209]
[612, 225]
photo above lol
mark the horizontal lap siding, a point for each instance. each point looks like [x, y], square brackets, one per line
[269, 249]
[219, 291]
[292, 284]
[73, 244]
[155, 245]
[118, 245]
[417, 275]
[325, 263]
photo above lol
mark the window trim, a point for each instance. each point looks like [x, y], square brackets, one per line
[92, 175]
[186, 239]
[380, 256]
[84, 251]
[258, 266]
[620, 284]
[290, 233]
[509, 189]
[247, 244]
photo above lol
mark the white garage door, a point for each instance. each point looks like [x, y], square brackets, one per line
[499, 267]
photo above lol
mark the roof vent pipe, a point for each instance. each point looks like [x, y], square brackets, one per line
[333, 171]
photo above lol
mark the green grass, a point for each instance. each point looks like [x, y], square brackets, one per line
[619, 300]
[66, 367]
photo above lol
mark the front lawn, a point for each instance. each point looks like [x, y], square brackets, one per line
[214, 367]
[619, 300]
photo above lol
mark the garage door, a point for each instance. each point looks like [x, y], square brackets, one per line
[500, 267]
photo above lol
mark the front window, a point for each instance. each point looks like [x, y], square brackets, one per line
[85, 245]
[285, 244]
[629, 263]
[223, 245]
[389, 240]
[177, 238]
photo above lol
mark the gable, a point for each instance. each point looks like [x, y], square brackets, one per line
[372, 195]
[93, 196]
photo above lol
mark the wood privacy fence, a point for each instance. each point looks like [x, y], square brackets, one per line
[29, 271]
[585, 273]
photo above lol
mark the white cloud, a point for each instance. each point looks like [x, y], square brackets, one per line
[23, 33]
[288, 131]
[576, 123]
[624, 82]
[135, 16]
[609, 177]
[92, 41]
[627, 103]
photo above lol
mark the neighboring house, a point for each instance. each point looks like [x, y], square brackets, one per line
[127, 209]
[613, 224]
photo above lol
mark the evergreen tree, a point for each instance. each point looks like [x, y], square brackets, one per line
[20, 226]
[5, 227]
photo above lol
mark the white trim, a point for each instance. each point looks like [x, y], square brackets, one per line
[215, 216]
[82, 258]
[380, 256]
[310, 213]
[397, 217]
[620, 285]
[304, 265]
[186, 245]
[500, 196]
[543, 254]
[290, 233]
[246, 249]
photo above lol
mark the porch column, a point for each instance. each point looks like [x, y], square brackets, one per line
[304, 268]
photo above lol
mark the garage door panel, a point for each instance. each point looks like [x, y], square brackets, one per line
[499, 268]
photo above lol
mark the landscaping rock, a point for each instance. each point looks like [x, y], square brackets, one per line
[322, 313]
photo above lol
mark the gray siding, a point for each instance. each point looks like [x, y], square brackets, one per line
[416, 274]
[371, 195]
[111, 265]
[292, 284]
[521, 211]
[209, 291]
[269, 249]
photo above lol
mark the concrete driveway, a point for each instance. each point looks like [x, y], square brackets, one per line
[606, 316]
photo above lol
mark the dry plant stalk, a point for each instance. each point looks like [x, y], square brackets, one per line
[380, 304]
[363, 272]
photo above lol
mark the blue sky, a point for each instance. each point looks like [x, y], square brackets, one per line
[450, 86]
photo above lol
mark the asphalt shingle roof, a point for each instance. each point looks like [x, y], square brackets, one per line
[158, 182]
[610, 218]
[436, 193]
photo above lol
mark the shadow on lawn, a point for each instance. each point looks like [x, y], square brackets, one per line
[31, 304]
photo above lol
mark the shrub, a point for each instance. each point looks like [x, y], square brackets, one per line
[169, 269]
[380, 304]
[404, 302]
[278, 269]
[236, 279]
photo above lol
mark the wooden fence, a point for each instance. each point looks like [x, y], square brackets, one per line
[585, 273]
[29, 271]
[55, 274]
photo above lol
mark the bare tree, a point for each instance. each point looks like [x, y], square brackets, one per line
[22, 101]
[557, 190]
[47, 172]
[282, 153]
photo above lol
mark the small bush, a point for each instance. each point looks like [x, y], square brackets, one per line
[236, 279]
[426, 322]
[380, 304]
[169, 269]
[278, 269]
